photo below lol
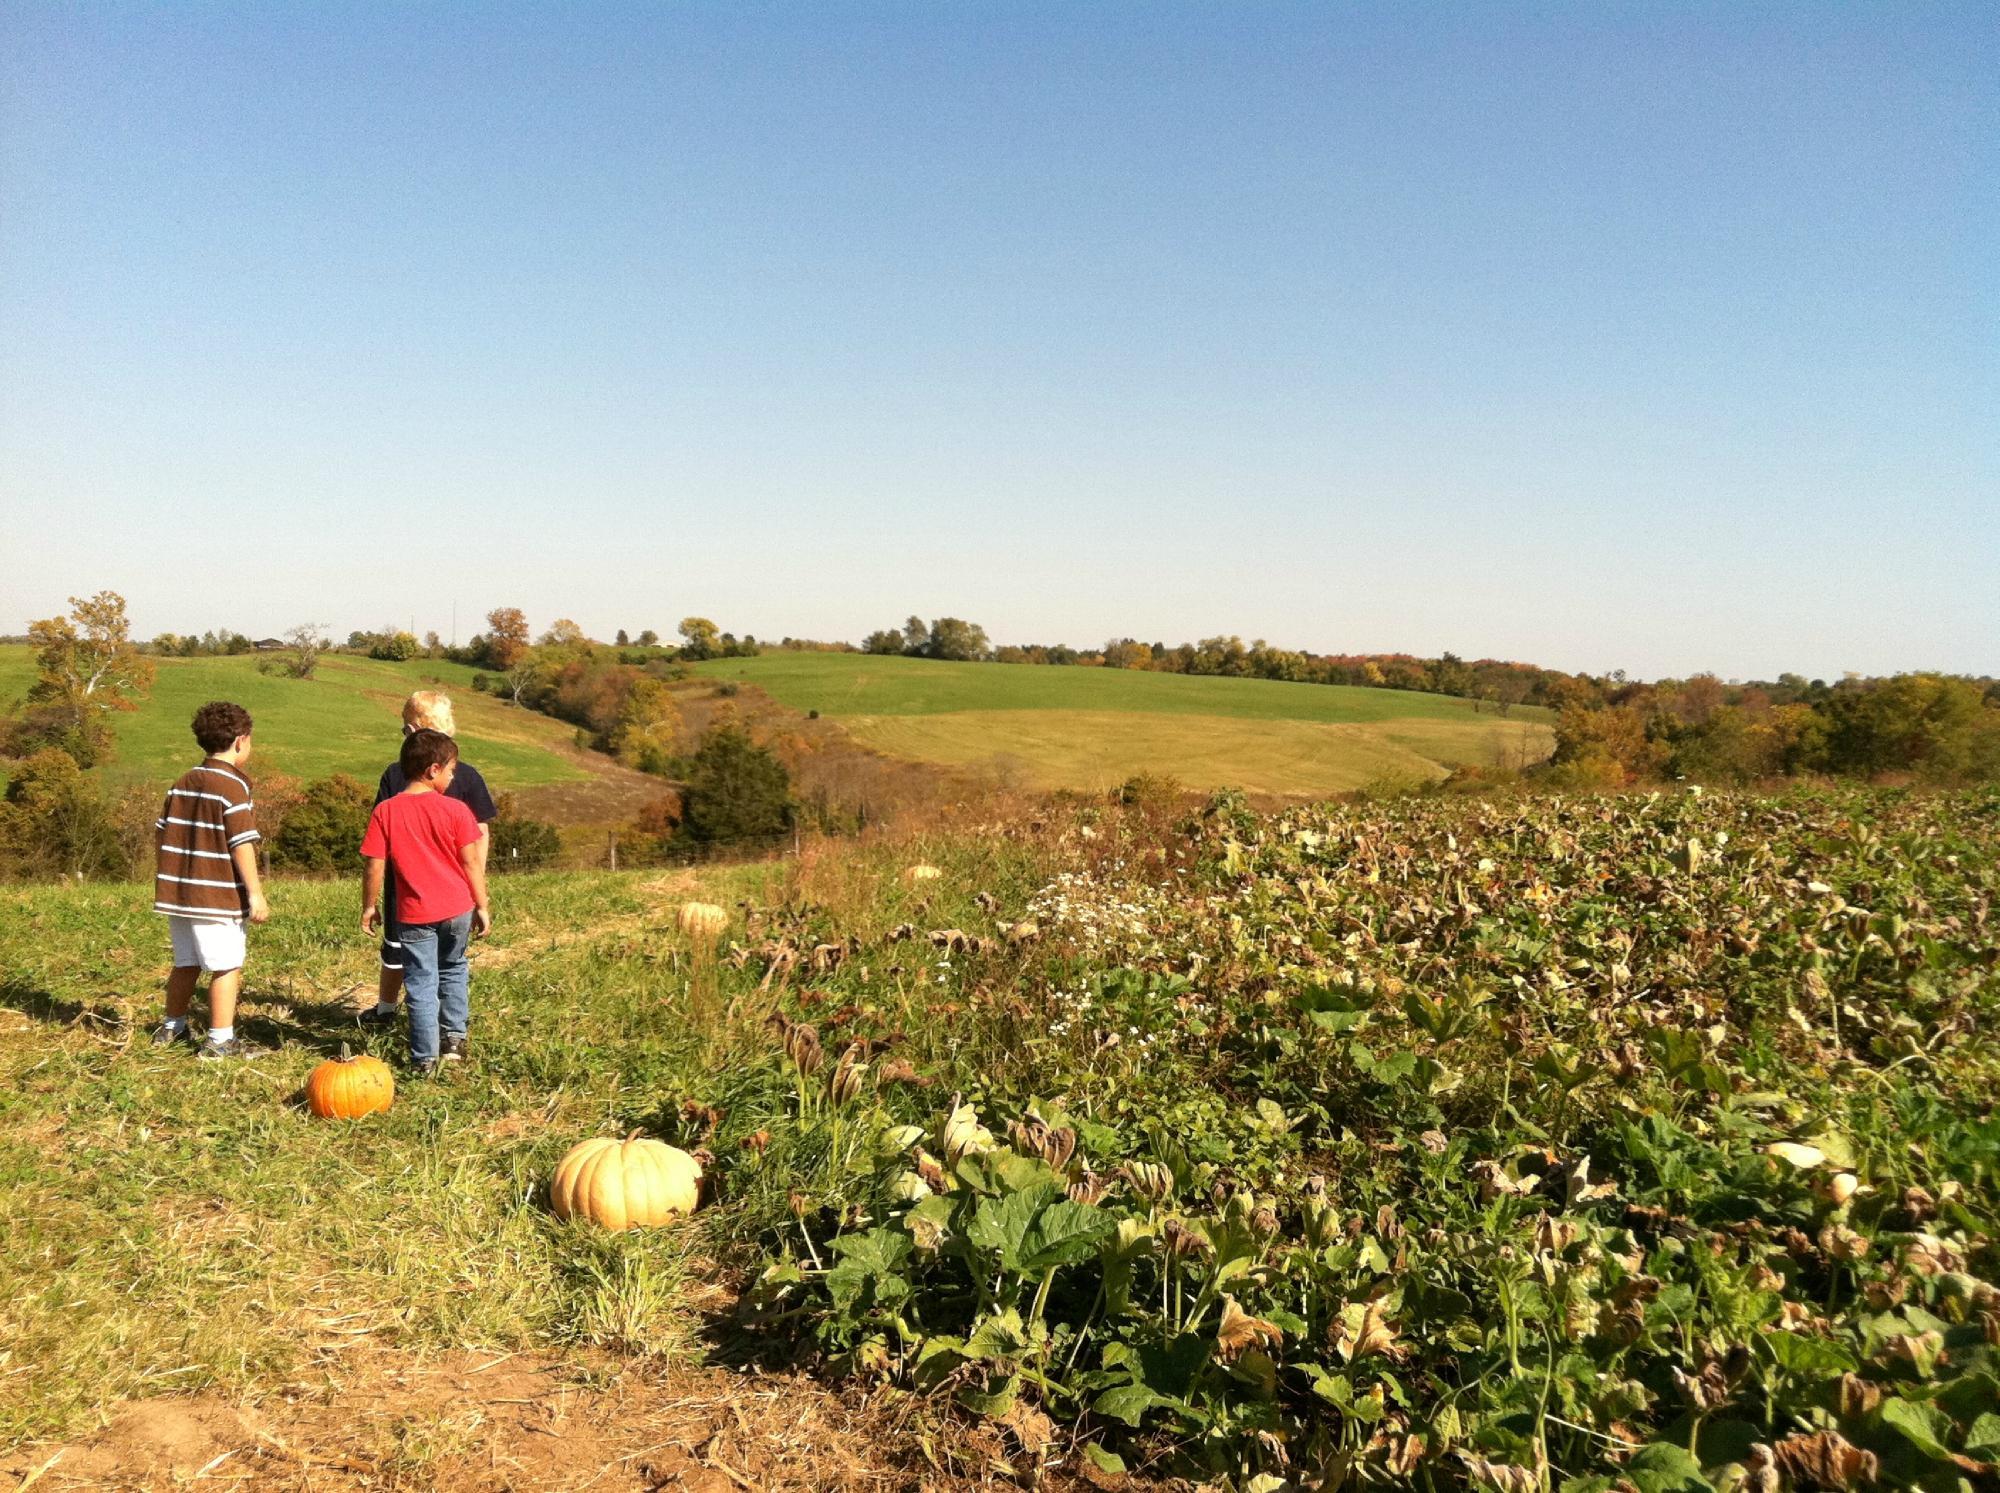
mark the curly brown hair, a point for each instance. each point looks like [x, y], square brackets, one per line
[218, 723]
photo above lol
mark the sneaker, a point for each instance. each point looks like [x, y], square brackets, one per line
[424, 1068]
[454, 1050]
[213, 1051]
[166, 1036]
[378, 1019]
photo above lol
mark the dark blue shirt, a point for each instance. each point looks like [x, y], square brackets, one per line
[467, 786]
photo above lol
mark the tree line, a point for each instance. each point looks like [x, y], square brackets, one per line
[1610, 731]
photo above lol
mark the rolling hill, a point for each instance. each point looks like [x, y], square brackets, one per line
[346, 720]
[1093, 728]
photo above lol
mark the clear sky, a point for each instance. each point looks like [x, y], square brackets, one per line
[1663, 337]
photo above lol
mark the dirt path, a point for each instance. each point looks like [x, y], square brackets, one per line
[486, 1422]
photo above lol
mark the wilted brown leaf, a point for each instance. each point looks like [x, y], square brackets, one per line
[1825, 1459]
[1239, 1330]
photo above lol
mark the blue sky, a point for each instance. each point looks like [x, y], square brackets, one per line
[1643, 336]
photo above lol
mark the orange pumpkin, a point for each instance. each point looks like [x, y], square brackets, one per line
[348, 1087]
[625, 1184]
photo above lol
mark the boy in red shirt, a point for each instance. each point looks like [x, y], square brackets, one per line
[433, 842]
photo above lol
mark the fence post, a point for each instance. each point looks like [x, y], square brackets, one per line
[612, 840]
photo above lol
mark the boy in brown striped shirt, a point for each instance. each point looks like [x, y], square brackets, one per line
[206, 880]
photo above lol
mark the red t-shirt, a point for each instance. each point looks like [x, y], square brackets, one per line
[421, 834]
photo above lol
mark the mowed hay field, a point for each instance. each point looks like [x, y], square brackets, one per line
[347, 719]
[1094, 728]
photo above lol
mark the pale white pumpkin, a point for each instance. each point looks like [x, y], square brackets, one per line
[624, 1184]
[702, 920]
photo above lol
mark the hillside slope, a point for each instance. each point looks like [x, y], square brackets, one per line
[1092, 728]
[346, 719]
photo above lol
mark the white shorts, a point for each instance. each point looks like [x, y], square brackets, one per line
[215, 947]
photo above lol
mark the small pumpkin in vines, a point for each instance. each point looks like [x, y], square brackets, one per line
[348, 1087]
[625, 1184]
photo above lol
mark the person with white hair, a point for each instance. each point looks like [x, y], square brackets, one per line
[426, 710]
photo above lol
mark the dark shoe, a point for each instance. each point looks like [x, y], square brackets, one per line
[379, 1020]
[213, 1051]
[454, 1050]
[424, 1068]
[166, 1036]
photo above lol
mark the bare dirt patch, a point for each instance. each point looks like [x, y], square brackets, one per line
[490, 1422]
[612, 794]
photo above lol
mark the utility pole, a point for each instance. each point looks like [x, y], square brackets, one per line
[454, 622]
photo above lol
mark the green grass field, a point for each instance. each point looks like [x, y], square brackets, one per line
[343, 720]
[1093, 728]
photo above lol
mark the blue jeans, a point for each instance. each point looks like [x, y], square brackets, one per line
[436, 974]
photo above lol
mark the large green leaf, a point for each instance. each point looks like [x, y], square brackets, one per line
[1000, 1336]
[1001, 1224]
[869, 1265]
[1800, 1354]
[1666, 1468]
[1062, 1234]
[881, 1250]
[1984, 1437]
[1128, 1402]
[1923, 1426]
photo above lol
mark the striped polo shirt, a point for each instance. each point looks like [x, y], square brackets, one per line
[208, 813]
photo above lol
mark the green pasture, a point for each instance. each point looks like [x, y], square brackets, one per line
[844, 684]
[1091, 728]
[344, 719]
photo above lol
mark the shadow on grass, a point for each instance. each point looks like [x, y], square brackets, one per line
[273, 1021]
[42, 1005]
[264, 1018]
[740, 1338]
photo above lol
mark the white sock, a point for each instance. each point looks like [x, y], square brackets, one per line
[385, 1008]
[175, 1024]
[221, 1033]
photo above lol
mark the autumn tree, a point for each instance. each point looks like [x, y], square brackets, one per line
[523, 671]
[700, 638]
[647, 725]
[1929, 724]
[649, 639]
[87, 667]
[55, 820]
[563, 633]
[1607, 747]
[506, 637]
